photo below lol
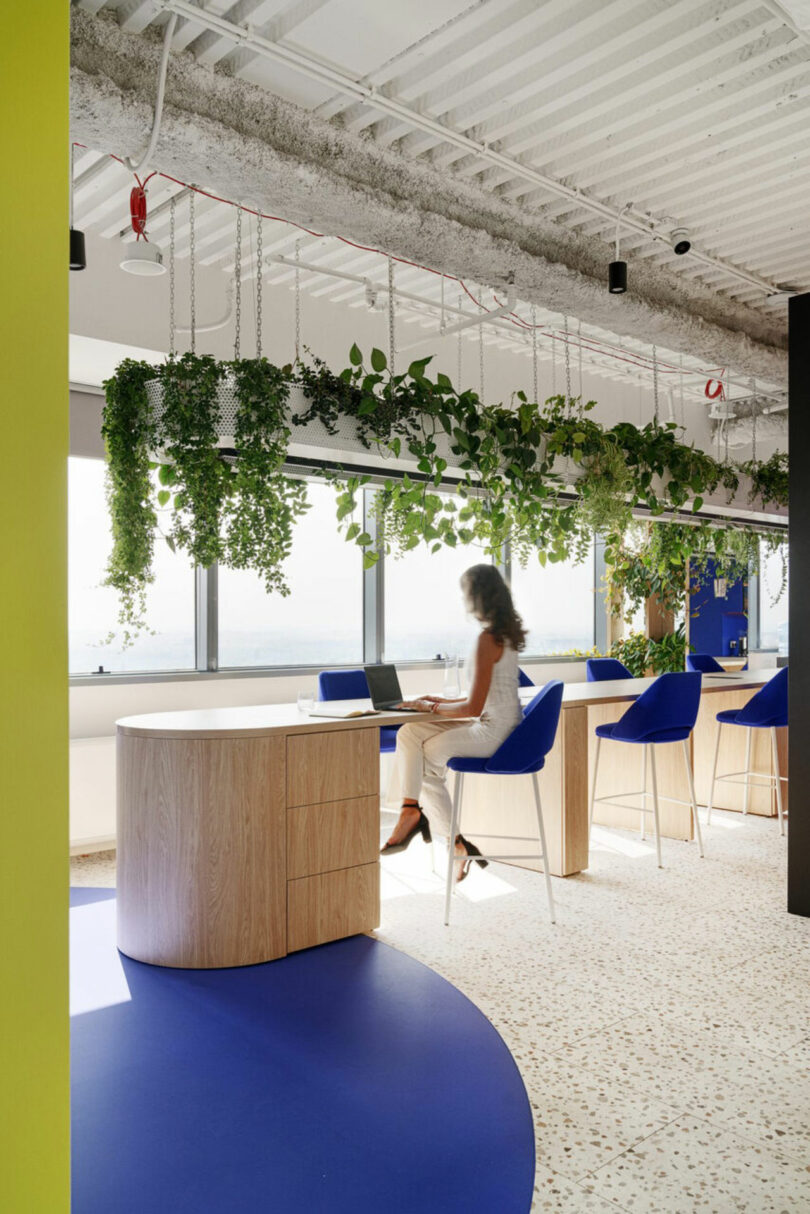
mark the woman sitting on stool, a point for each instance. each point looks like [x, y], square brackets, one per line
[423, 747]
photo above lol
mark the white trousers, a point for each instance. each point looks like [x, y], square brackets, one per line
[423, 748]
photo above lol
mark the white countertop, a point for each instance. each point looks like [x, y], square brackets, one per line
[260, 719]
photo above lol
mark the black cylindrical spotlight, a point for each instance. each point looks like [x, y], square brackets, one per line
[617, 277]
[78, 257]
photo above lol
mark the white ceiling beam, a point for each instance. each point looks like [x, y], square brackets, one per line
[135, 15]
[591, 79]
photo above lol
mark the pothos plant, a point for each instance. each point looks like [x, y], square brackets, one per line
[239, 512]
[510, 469]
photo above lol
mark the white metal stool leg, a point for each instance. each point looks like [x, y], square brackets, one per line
[691, 780]
[777, 773]
[542, 832]
[455, 825]
[714, 774]
[642, 815]
[593, 785]
[747, 793]
[655, 803]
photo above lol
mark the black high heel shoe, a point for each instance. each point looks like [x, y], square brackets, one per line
[473, 854]
[421, 826]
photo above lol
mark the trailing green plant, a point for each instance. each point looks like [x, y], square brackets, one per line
[127, 429]
[539, 477]
[770, 481]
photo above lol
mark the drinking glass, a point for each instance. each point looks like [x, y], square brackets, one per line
[305, 700]
[452, 685]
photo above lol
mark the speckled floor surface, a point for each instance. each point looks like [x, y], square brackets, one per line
[661, 1027]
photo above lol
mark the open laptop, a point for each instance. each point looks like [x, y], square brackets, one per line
[384, 688]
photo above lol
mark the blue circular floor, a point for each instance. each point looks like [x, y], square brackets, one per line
[344, 1078]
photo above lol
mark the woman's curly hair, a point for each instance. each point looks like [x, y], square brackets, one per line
[491, 603]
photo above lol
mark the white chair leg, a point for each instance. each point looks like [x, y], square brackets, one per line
[778, 774]
[714, 774]
[655, 804]
[542, 832]
[691, 779]
[593, 785]
[455, 823]
[642, 815]
[747, 792]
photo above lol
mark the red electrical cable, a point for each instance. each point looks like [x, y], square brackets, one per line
[592, 344]
[719, 391]
[137, 207]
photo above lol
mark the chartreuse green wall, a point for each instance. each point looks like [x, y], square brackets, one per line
[34, 1025]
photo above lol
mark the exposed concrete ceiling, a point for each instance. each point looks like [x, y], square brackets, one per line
[240, 140]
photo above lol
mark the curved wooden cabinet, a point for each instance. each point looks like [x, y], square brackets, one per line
[245, 834]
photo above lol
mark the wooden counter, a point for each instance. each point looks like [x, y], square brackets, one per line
[246, 833]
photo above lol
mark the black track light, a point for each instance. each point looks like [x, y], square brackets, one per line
[78, 256]
[617, 277]
[617, 270]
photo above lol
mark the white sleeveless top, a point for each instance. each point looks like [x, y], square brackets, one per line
[502, 710]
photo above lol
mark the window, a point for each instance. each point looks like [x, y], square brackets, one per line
[773, 616]
[321, 622]
[424, 607]
[556, 603]
[93, 608]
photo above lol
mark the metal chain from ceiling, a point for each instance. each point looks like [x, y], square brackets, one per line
[391, 317]
[481, 355]
[579, 342]
[259, 270]
[297, 300]
[536, 396]
[655, 385]
[237, 274]
[754, 413]
[192, 281]
[172, 292]
[458, 352]
[567, 366]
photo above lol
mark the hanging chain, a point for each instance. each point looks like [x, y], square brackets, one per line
[655, 385]
[458, 354]
[172, 320]
[442, 319]
[237, 275]
[553, 364]
[567, 366]
[192, 283]
[536, 396]
[391, 332]
[297, 300]
[680, 386]
[754, 413]
[579, 340]
[727, 419]
[259, 271]
[481, 354]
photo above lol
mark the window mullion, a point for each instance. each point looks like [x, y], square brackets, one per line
[207, 617]
[373, 589]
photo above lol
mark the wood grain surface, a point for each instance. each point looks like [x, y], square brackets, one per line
[332, 905]
[339, 834]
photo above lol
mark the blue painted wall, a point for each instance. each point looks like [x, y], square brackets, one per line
[713, 622]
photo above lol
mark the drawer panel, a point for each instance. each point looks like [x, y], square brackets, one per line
[336, 766]
[332, 905]
[339, 834]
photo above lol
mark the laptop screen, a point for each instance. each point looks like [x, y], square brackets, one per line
[383, 684]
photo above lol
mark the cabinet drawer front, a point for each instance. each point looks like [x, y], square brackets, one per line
[332, 905]
[335, 766]
[339, 834]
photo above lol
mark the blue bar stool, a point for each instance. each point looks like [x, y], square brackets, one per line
[353, 685]
[523, 679]
[601, 669]
[767, 709]
[704, 662]
[523, 753]
[665, 712]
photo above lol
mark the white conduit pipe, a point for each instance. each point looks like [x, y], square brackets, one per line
[472, 322]
[161, 90]
[217, 324]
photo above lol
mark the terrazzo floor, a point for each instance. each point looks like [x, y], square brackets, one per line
[660, 1026]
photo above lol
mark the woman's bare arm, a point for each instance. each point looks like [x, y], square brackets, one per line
[487, 654]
